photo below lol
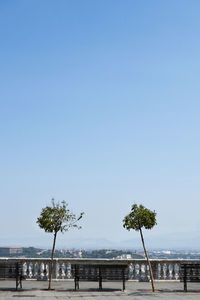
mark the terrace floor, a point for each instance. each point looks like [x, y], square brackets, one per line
[88, 290]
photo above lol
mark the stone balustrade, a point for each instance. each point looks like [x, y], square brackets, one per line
[38, 268]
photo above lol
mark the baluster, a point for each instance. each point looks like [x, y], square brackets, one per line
[42, 270]
[68, 273]
[146, 277]
[162, 271]
[179, 269]
[129, 271]
[45, 270]
[176, 269]
[66, 270]
[27, 269]
[137, 269]
[133, 271]
[170, 271]
[59, 270]
[167, 271]
[39, 270]
[63, 270]
[154, 266]
[54, 270]
[140, 271]
[33, 269]
[173, 271]
[158, 271]
[24, 269]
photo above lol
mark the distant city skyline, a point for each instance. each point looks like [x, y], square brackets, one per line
[99, 106]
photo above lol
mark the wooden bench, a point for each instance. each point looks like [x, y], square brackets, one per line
[99, 272]
[11, 270]
[189, 272]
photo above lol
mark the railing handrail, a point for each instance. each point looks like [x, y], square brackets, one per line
[98, 259]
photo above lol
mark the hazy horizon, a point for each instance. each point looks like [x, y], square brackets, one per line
[134, 243]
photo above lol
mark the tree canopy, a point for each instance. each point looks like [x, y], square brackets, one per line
[57, 218]
[140, 217]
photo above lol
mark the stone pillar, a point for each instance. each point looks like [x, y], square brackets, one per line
[154, 266]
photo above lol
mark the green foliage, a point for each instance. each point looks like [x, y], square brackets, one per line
[57, 218]
[139, 217]
[108, 254]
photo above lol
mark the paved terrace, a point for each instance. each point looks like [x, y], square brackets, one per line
[33, 289]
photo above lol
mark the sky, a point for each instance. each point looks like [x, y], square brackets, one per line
[99, 106]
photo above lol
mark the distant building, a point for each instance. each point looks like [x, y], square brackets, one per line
[124, 256]
[10, 250]
[166, 252]
[80, 254]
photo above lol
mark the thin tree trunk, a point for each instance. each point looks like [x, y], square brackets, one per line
[148, 261]
[51, 262]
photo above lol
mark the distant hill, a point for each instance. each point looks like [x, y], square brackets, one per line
[28, 252]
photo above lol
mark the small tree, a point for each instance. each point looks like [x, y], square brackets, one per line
[57, 218]
[138, 218]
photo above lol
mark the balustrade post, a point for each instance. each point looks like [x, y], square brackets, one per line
[173, 271]
[33, 269]
[179, 269]
[45, 271]
[59, 270]
[167, 271]
[54, 271]
[134, 271]
[140, 271]
[27, 269]
[154, 266]
[146, 273]
[39, 271]
[161, 271]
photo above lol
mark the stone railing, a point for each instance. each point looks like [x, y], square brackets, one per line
[38, 268]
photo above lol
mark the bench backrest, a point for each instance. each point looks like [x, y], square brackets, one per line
[190, 272]
[10, 270]
[94, 272]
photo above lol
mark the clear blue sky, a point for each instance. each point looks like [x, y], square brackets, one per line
[99, 106]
